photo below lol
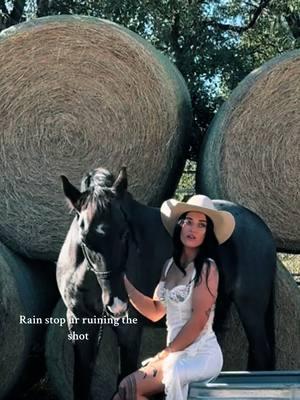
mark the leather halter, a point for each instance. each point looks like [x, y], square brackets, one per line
[102, 275]
[105, 275]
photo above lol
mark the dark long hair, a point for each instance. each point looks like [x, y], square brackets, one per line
[208, 249]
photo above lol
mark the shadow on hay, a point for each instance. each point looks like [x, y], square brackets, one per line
[112, 233]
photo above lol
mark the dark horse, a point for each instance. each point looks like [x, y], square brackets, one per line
[112, 233]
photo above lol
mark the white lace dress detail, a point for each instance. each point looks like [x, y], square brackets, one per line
[178, 303]
[179, 293]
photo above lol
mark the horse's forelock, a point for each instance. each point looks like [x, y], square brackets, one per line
[97, 191]
[97, 200]
[97, 179]
[96, 188]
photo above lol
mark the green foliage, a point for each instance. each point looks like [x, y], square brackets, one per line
[186, 186]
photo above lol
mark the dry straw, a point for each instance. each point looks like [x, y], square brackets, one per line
[59, 356]
[287, 328]
[14, 345]
[79, 93]
[26, 290]
[233, 341]
[251, 154]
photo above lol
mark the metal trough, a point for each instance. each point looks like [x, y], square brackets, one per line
[276, 385]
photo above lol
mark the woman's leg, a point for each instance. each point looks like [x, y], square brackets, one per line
[142, 383]
[203, 366]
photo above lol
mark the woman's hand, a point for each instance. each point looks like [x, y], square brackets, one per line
[161, 355]
[158, 357]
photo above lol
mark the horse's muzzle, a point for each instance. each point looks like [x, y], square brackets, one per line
[118, 309]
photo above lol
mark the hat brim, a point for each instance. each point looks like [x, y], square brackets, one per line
[223, 221]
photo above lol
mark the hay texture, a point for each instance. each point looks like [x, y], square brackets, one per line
[233, 341]
[23, 291]
[251, 154]
[59, 358]
[287, 328]
[79, 93]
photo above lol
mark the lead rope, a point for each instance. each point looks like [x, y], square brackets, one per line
[100, 332]
[103, 275]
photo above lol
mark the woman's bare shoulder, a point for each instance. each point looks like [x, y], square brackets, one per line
[210, 271]
[210, 264]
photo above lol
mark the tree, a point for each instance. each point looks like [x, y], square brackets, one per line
[11, 13]
[214, 44]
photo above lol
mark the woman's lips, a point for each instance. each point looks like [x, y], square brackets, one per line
[191, 237]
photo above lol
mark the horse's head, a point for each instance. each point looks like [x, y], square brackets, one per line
[103, 232]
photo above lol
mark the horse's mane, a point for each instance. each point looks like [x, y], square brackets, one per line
[97, 189]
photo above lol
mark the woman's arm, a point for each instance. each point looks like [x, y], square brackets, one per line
[151, 308]
[203, 298]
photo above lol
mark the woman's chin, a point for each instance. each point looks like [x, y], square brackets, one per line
[191, 243]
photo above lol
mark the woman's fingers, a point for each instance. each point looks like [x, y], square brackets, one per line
[147, 361]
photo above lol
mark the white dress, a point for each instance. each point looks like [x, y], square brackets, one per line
[202, 360]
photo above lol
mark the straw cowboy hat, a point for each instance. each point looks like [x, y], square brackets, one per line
[223, 221]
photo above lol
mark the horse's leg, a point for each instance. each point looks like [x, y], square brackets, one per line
[85, 339]
[221, 313]
[253, 316]
[129, 339]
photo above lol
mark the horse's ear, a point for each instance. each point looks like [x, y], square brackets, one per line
[120, 184]
[72, 194]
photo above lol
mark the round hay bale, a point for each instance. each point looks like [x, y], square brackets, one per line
[79, 93]
[251, 153]
[25, 290]
[59, 358]
[287, 328]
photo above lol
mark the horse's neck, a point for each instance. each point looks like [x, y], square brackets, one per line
[145, 220]
[154, 244]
